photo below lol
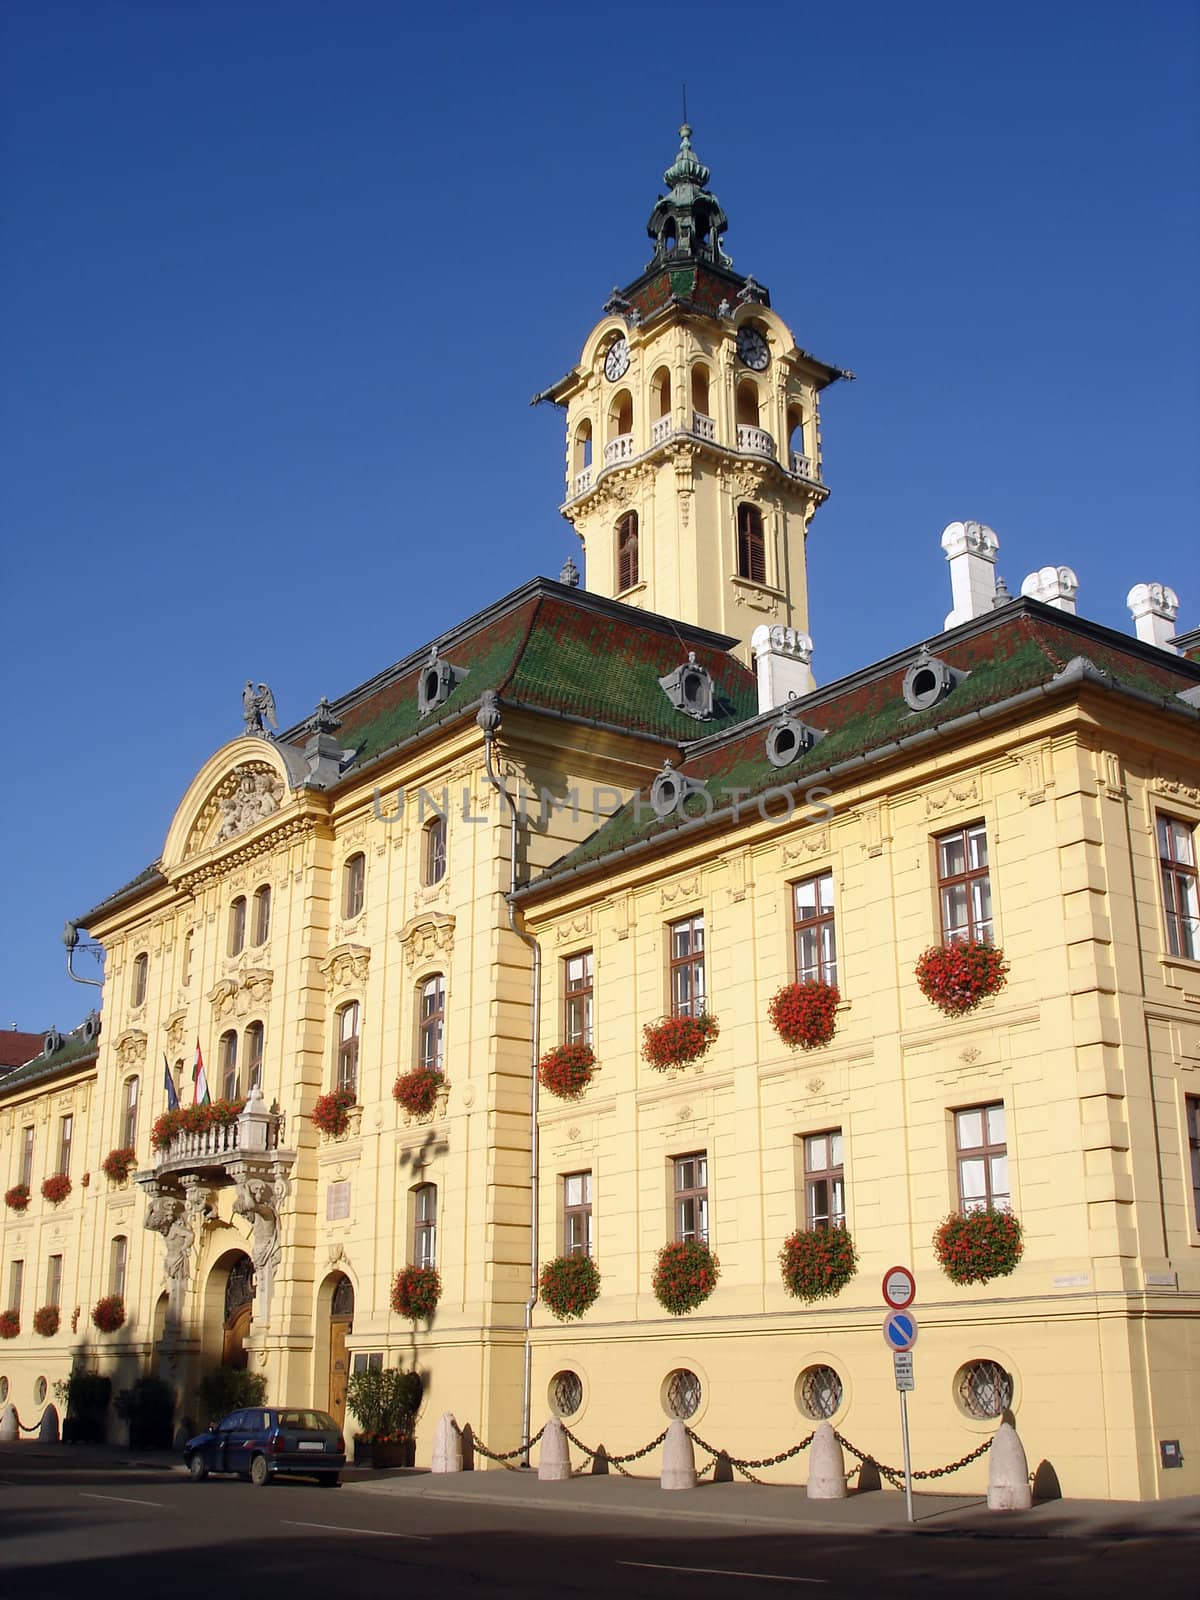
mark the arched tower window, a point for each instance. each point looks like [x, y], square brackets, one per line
[700, 400]
[237, 926]
[582, 456]
[627, 551]
[433, 851]
[347, 1047]
[141, 975]
[747, 403]
[227, 1066]
[354, 885]
[660, 393]
[262, 914]
[751, 546]
[620, 415]
[254, 1039]
[795, 423]
[431, 1023]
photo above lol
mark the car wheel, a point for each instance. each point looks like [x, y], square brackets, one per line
[328, 1480]
[196, 1469]
[258, 1471]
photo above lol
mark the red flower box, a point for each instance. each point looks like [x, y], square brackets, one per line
[818, 1263]
[416, 1292]
[109, 1313]
[17, 1198]
[569, 1285]
[804, 1015]
[674, 1041]
[956, 977]
[56, 1188]
[331, 1113]
[118, 1164]
[567, 1070]
[45, 1321]
[194, 1119]
[417, 1091]
[685, 1274]
[978, 1246]
[10, 1324]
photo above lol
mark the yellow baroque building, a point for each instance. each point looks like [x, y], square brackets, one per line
[624, 820]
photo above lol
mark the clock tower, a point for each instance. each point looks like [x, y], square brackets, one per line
[693, 439]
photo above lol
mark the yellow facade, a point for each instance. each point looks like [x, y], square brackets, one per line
[303, 909]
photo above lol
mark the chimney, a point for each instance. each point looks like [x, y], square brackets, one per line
[1053, 586]
[782, 659]
[1154, 608]
[971, 551]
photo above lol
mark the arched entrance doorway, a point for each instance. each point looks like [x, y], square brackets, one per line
[239, 1303]
[341, 1324]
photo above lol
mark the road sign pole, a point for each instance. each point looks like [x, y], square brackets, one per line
[907, 1458]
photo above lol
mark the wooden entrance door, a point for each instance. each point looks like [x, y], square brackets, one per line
[341, 1319]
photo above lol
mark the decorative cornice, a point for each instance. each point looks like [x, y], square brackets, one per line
[426, 935]
[346, 966]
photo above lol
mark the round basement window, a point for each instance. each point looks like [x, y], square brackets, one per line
[566, 1393]
[818, 1393]
[682, 1394]
[983, 1389]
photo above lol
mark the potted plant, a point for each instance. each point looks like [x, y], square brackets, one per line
[17, 1198]
[567, 1070]
[56, 1188]
[118, 1164]
[674, 1041]
[10, 1324]
[569, 1285]
[84, 1397]
[817, 1263]
[685, 1274]
[108, 1313]
[956, 977]
[46, 1320]
[226, 1389]
[804, 1015]
[331, 1113]
[149, 1410]
[416, 1292]
[385, 1402]
[417, 1091]
[978, 1246]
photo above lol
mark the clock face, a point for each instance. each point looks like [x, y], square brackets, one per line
[616, 362]
[752, 349]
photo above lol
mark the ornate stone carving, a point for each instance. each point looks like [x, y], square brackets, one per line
[346, 965]
[573, 928]
[808, 842]
[262, 1190]
[954, 793]
[250, 793]
[429, 934]
[237, 996]
[1177, 790]
[131, 1048]
[684, 889]
[174, 1031]
[258, 708]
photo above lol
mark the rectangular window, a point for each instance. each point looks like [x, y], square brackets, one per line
[979, 1139]
[431, 1025]
[813, 931]
[254, 1037]
[228, 1066]
[964, 889]
[577, 1214]
[1181, 894]
[54, 1281]
[1193, 1135]
[347, 1050]
[577, 988]
[691, 1197]
[425, 1226]
[66, 1132]
[368, 1361]
[16, 1285]
[354, 885]
[687, 967]
[118, 1256]
[129, 1119]
[26, 1157]
[824, 1181]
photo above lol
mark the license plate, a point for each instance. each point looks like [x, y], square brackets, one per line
[309, 1444]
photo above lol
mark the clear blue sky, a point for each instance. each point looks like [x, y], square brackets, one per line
[280, 278]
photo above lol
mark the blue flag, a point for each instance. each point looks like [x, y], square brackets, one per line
[169, 1086]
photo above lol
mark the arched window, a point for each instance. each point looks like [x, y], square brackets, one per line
[141, 978]
[668, 236]
[254, 1038]
[583, 446]
[627, 551]
[237, 926]
[433, 851]
[227, 1065]
[700, 401]
[795, 422]
[262, 914]
[424, 1249]
[189, 944]
[751, 546]
[347, 1047]
[747, 403]
[354, 885]
[431, 1023]
[129, 1117]
[620, 415]
[118, 1260]
[660, 393]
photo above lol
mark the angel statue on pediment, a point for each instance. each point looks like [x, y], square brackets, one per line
[258, 709]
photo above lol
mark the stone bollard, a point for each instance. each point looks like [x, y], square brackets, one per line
[1008, 1472]
[554, 1459]
[447, 1446]
[679, 1459]
[826, 1466]
[48, 1426]
[8, 1425]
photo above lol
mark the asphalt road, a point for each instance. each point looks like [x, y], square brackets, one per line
[69, 1530]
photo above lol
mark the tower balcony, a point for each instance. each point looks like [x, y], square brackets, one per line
[583, 481]
[661, 431]
[704, 427]
[800, 466]
[755, 441]
[618, 450]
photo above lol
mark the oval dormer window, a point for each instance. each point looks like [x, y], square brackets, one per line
[788, 739]
[928, 681]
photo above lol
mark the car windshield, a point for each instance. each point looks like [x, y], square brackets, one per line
[307, 1419]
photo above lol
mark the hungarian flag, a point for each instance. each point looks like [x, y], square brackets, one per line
[169, 1086]
[200, 1094]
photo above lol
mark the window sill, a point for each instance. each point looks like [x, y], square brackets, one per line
[1182, 973]
[624, 595]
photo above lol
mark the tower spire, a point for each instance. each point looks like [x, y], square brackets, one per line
[687, 224]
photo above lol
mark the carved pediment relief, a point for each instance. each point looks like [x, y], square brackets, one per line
[249, 794]
[346, 965]
[427, 935]
[175, 1025]
[239, 995]
[131, 1047]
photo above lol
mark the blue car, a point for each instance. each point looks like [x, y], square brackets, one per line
[265, 1442]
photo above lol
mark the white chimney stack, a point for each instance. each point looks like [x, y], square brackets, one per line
[1053, 586]
[783, 661]
[971, 551]
[1154, 608]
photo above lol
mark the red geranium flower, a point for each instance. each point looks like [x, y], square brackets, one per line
[673, 1041]
[417, 1091]
[805, 1014]
[569, 1285]
[956, 977]
[567, 1070]
[416, 1292]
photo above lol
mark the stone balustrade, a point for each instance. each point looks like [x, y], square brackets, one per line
[755, 441]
